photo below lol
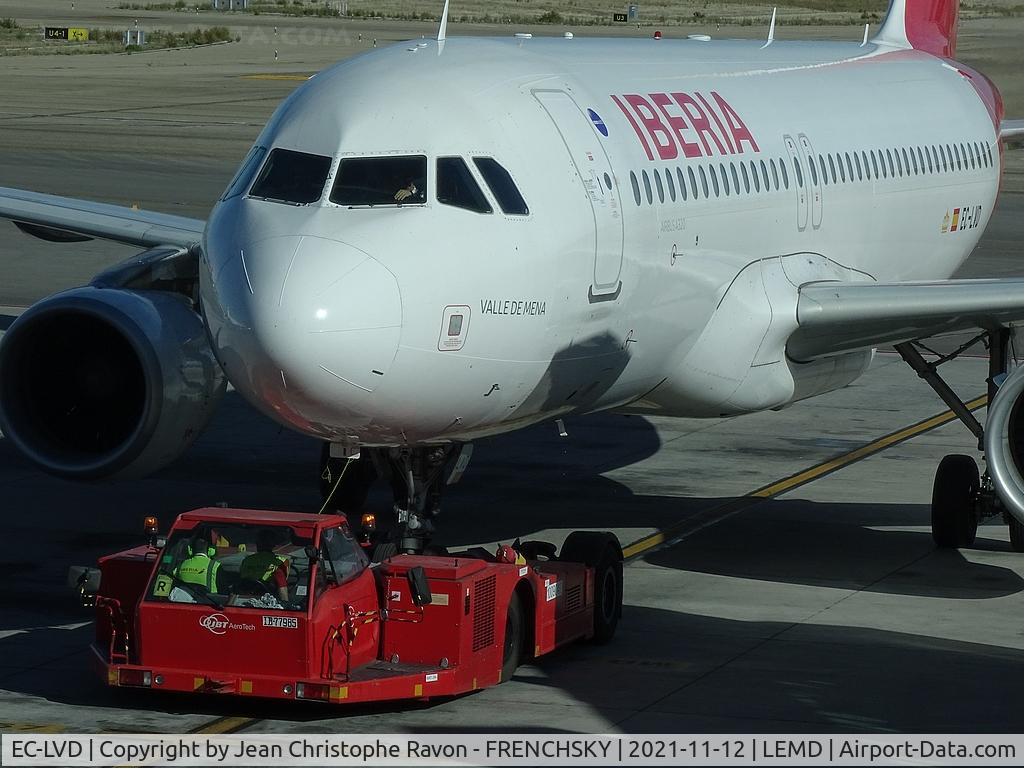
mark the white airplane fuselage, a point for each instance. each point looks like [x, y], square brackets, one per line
[615, 291]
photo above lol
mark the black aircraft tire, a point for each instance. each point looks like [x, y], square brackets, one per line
[954, 523]
[383, 551]
[512, 645]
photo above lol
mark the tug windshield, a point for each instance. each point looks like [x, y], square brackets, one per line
[235, 565]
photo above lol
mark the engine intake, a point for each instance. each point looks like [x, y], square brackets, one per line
[107, 383]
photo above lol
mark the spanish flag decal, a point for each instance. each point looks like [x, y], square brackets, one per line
[956, 220]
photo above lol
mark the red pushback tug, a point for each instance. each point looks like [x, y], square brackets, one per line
[284, 605]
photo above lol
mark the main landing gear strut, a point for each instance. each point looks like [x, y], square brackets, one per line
[961, 496]
[417, 477]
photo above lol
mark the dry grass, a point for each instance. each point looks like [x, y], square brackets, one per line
[21, 41]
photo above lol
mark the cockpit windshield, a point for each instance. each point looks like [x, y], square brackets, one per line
[396, 180]
[248, 566]
[292, 177]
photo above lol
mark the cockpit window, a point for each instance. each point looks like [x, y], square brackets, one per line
[456, 186]
[501, 184]
[292, 177]
[381, 181]
[245, 172]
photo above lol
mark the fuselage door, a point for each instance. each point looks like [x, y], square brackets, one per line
[595, 171]
[796, 172]
[816, 180]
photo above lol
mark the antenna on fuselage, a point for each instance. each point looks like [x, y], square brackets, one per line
[771, 30]
[442, 31]
[867, 28]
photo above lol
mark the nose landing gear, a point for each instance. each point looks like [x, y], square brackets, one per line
[417, 474]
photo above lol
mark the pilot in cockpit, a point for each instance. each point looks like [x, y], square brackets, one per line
[409, 190]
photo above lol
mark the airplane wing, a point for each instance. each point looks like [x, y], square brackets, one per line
[836, 317]
[1012, 131]
[63, 219]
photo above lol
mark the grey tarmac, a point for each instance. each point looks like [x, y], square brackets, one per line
[825, 608]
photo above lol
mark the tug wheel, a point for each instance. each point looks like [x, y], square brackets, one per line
[607, 597]
[954, 521]
[512, 646]
[601, 552]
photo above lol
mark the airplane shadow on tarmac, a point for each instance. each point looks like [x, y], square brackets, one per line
[517, 484]
[830, 545]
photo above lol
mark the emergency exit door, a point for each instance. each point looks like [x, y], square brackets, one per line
[816, 180]
[800, 183]
[595, 171]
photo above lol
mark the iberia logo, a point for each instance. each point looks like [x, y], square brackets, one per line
[216, 622]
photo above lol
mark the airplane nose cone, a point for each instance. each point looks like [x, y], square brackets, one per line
[307, 327]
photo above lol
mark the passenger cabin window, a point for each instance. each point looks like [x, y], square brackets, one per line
[370, 181]
[505, 190]
[245, 173]
[296, 178]
[457, 187]
[682, 182]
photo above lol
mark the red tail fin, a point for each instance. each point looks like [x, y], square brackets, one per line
[925, 25]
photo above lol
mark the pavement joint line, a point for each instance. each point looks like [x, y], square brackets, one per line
[676, 532]
[136, 108]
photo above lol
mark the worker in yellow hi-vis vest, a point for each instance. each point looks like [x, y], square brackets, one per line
[266, 567]
[199, 567]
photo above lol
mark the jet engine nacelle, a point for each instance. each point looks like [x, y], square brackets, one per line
[1004, 443]
[101, 383]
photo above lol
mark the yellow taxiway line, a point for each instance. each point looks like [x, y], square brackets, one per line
[297, 77]
[225, 725]
[716, 514]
